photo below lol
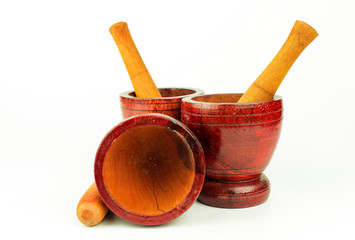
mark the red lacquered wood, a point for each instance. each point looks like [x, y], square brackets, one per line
[169, 105]
[177, 128]
[238, 140]
[238, 194]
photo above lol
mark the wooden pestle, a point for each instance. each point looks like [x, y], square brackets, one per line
[265, 86]
[143, 83]
[91, 209]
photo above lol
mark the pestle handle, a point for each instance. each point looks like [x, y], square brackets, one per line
[91, 209]
[143, 83]
[265, 86]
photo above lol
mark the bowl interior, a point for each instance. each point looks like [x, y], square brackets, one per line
[218, 98]
[171, 92]
[149, 170]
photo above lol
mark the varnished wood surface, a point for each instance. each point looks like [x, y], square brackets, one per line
[238, 141]
[238, 194]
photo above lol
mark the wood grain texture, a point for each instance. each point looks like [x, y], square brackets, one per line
[169, 104]
[159, 151]
[238, 141]
[148, 170]
[143, 83]
[266, 85]
[91, 209]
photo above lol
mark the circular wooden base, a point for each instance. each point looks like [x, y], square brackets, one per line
[236, 194]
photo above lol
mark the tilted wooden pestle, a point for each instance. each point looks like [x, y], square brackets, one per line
[91, 209]
[143, 83]
[265, 86]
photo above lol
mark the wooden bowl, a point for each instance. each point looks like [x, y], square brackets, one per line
[238, 141]
[149, 169]
[169, 105]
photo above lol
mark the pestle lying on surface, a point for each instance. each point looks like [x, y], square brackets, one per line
[265, 86]
[91, 209]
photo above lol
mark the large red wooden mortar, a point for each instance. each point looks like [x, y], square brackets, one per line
[238, 140]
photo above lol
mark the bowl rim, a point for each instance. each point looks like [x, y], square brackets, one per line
[193, 101]
[177, 127]
[197, 92]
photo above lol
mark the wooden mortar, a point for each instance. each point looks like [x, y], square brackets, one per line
[238, 141]
[149, 169]
[239, 133]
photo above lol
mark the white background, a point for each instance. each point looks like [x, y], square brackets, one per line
[61, 74]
